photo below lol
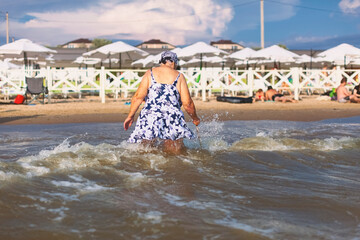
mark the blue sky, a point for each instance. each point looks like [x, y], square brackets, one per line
[298, 24]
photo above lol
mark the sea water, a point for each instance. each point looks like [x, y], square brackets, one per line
[238, 180]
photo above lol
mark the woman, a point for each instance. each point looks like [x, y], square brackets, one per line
[164, 90]
[356, 94]
[356, 91]
[259, 96]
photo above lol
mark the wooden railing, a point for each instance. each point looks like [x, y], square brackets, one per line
[206, 81]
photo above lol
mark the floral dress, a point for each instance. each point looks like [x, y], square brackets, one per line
[161, 117]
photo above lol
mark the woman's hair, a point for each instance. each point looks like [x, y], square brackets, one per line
[164, 60]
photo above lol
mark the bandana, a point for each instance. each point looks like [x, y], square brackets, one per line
[169, 56]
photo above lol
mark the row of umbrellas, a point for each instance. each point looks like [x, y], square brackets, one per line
[201, 52]
[193, 55]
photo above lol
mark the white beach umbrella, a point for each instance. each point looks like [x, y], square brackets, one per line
[253, 62]
[120, 50]
[140, 62]
[306, 59]
[153, 60]
[6, 64]
[355, 61]
[215, 59]
[157, 57]
[209, 61]
[275, 53]
[342, 53]
[21, 46]
[244, 53]
[25, 48]
[86, 61]
[200, 49]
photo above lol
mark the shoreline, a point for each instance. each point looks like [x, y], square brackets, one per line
[92, 111]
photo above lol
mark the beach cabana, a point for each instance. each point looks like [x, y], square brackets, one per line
[119, 50]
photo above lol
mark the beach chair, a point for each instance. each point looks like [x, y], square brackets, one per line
[35, 88]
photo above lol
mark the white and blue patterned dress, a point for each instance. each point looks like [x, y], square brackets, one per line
[161, 117]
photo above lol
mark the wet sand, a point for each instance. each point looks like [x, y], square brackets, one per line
[92, 110]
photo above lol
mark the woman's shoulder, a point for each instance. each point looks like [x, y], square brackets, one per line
[162, 69]
[165, 72]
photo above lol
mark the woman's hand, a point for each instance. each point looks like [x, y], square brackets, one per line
[196, 121]
[128, 122]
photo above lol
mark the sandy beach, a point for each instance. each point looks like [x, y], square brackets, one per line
[92, 110]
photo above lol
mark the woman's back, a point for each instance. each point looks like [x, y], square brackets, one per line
[164, 75]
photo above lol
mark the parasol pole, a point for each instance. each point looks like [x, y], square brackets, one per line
[119, 60]
[7, 27]
[262, 23]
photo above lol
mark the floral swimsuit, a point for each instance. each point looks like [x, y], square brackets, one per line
[161, 117]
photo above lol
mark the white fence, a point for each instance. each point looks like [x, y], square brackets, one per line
[205, 81]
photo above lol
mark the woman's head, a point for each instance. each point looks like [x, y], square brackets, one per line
[168, 56]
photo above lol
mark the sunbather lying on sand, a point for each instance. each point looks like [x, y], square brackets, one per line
[273, 95]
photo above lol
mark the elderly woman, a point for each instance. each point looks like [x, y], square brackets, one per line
[164, 90]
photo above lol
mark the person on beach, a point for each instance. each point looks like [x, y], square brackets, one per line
[343, 95]
[285, 89]
[273, 95]
[356, 92]
[164, 90]
[259, 96]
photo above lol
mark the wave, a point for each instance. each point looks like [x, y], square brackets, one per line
[290, 144]
[67, 157]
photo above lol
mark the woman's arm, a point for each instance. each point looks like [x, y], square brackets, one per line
[137, 99]
[188, 103]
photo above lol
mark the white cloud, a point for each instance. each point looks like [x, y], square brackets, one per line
[282, 10]
[175, 21]
[313, 39]
[350, 6]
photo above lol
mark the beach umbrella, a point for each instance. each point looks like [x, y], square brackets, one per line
[244, 54]
[119, 49]
[157, 57]
[86, 61]
[153, 60]
[275, 53]
[199, 50]
[6, 64]
[149, 61]
[209, 61]
[342, 53]
[304, 59]
[25, 48]
[254, 62]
